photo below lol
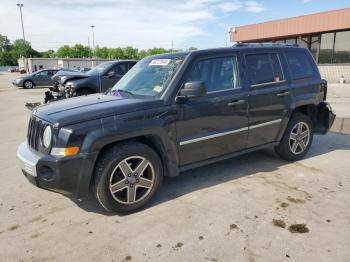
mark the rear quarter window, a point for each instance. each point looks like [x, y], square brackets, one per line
[299, 64]
[263, 68]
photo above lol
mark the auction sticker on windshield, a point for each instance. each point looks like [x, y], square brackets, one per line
[159, 62]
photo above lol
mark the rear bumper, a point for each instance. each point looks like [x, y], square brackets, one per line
[325, 118]
[69, 176]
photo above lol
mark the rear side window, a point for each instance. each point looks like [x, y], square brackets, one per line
[299, 65]
[263, 68]
[218, 74]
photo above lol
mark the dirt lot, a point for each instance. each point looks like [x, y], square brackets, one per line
[243, 209]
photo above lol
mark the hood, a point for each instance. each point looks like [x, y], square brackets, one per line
[63, 76]
[85, 108]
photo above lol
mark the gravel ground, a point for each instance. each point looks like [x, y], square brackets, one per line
[251, 208]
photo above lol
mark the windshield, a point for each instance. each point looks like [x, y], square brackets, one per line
[149, 77]
[99, 68]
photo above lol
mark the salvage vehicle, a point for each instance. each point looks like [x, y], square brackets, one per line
[174, 112]
[97, 80]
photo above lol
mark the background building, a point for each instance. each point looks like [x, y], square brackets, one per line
[326, 35]
[31, 65]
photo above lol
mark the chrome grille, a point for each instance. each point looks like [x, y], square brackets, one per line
[35, 130]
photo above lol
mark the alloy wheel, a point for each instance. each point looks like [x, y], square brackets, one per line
[132, 180]
[28, 84]
[299, 138]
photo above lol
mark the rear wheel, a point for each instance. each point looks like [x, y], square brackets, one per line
[127, 176]
[28, 84]
[297, 138]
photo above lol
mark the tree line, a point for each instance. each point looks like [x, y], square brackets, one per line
[11, 52]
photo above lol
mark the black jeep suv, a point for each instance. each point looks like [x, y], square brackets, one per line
[173, 112]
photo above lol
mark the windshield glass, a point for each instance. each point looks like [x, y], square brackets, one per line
[149, 77]
[99, 68]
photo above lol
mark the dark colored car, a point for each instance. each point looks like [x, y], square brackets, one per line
[96, 80]
[174, 112]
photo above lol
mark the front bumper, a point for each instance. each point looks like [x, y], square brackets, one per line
[69, 176]
[18, 84]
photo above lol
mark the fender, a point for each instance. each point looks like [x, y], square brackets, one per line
[156, 128]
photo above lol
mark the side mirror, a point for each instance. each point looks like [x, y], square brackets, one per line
[191, 90]
[110, 74]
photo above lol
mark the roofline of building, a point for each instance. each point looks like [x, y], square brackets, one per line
[328, 21]
[291, 18]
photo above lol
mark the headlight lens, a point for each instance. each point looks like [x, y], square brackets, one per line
[47, 137]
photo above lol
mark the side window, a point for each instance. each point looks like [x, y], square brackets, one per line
[263, 68]
[43, 73]
[217, 73]
[121, 69]
[131, 64]
[299, 64]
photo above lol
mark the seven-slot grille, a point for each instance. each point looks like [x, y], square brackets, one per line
[35, 130]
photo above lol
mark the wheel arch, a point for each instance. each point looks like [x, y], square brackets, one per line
[153, 141]
[28, 80]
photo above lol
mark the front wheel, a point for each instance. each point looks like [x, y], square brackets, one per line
[127, 176]
[297, 138]
[28, 84]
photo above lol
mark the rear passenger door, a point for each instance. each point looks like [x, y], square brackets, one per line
[215, 124]
[268, 89]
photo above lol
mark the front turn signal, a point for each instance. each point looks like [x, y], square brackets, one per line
[66, 151]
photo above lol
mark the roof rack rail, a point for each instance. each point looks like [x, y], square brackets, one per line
[240, 44]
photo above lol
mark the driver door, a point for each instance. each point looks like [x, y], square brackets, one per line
[217, 123]
[42, 78]
[113, 75]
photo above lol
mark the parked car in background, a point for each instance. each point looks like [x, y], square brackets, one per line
[84, 69]
[38, 78]
[96, 80]
[174, 112]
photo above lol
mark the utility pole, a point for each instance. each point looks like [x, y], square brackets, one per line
[93, 36]
[172, 46]
[24, 38]
[20, 10]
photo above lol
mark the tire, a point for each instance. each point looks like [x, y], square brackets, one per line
[84, 92]
[28, 84]
[297, 138]
[116, 170]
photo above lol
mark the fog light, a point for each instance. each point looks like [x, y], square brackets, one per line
[66, 151]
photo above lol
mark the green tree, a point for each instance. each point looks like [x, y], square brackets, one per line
[48, 54]
[156, 51]
[102, 52]
[116, 53]
[130, 52]
[64, 51]
[5, 44]
[192, 48]
[142, 54]
[80, 51]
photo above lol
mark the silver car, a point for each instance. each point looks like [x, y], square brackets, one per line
[39, 78]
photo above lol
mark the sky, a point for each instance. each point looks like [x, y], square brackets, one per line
[49, 24]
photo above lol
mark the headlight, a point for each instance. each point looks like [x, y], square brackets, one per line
[47, 137]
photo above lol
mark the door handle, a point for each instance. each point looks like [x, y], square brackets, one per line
[236, 102]
[285, 93]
